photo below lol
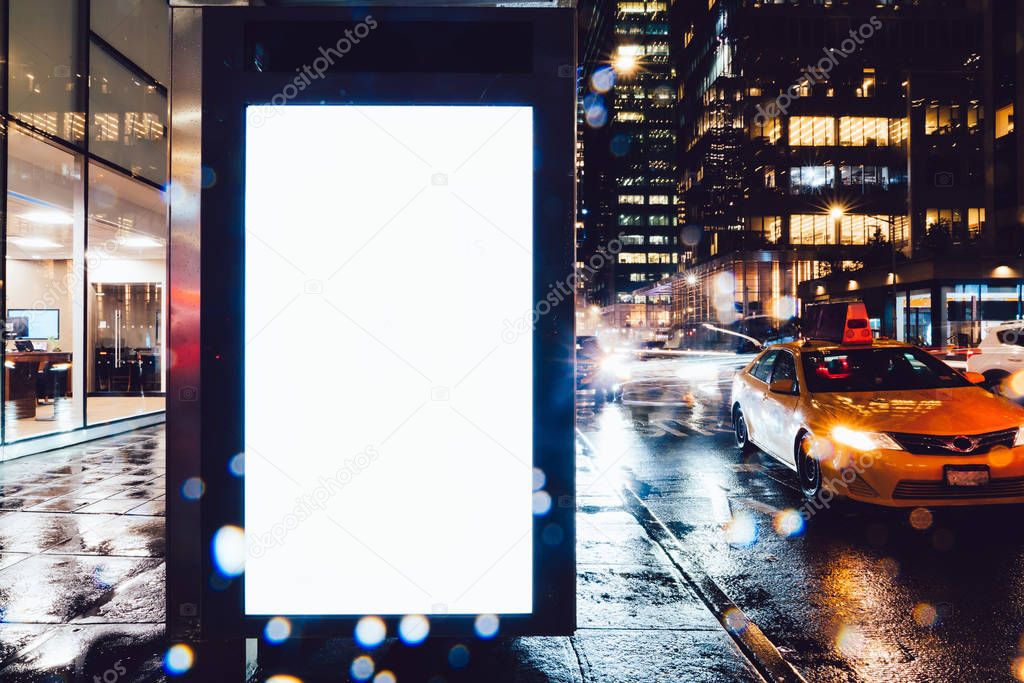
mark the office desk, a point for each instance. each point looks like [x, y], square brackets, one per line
[20, 380]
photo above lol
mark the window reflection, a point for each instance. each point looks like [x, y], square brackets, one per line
[127, 265]
[45, 245]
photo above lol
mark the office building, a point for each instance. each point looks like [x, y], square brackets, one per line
[628, 201]
[84, 159]
[820, 140]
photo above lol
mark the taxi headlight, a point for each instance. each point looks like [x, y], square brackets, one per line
[866, 441]
[1019, 441]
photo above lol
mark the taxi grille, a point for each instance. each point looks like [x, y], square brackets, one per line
[930, 444]
[997, 488]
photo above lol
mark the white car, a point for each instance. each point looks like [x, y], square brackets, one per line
[1000, 354]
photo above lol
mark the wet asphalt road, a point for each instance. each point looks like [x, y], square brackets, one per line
[860, 594]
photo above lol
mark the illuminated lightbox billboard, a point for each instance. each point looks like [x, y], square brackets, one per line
[388, 385]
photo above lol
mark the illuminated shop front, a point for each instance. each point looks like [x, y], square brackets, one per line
[84, 155]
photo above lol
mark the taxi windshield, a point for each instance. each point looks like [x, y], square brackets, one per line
[877, 369]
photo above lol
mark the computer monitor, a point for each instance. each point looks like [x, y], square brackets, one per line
[34, 323]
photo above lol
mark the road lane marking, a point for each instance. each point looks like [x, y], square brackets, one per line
[752, 642]
[758, 506]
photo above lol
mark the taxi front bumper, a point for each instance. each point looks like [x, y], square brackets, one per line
[901, 479]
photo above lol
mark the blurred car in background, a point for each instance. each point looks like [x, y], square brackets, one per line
[1000, 356]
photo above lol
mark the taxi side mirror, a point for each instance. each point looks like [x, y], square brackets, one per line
[975, 377]
[782, 386]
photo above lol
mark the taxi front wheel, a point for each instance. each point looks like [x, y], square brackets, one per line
[742, 438]
[808, 468]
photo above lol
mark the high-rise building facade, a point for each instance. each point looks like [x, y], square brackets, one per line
[820, 138]
[628, 189]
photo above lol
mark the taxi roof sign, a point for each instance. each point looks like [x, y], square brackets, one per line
[843, 323]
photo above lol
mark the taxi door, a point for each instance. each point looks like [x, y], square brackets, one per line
[778, 411]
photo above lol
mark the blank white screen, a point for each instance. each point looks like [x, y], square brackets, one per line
[388, 409]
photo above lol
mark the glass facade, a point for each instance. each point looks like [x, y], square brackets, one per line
[84, 164]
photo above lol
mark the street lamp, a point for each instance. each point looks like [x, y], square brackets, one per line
[625, 63]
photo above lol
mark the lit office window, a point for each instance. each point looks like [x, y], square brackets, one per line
[629, 117]
[769, 130]
[659, 220]
[861, 131]
[864, 178]
[975, 222]
[658, 239]
[975, 117]
[638, 277]
[631, 199]
[860, 229]
[899, 130]
[627, 257]
[811, 229]
[632, 240]
[658, 199]
[768, 227]
[1004, 120]
[941, 119]
[655, 257]
[812, 131]
[630, 220]
[868, 83]
[811, 179]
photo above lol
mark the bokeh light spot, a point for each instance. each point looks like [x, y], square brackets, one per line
[735, 620]
[921, 518]
[850, 641]
[486, 626]
[602, 79]
[370, 632]
[925, 615]
[384, 677]
[193, 488]
[362, 668]
[277, 630]
[788, 523]
[413, 629]
[741, 530]
[458, 657]
[541, 503]
[229, 550]
[178, 659]
[236, 465]
[539, 479]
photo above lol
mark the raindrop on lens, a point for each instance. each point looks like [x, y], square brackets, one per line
[370, 632]
[458, 657]
[193, 488]
[178, 659]
[920, 518]
[413, 629]
[284, 678]
[277, 630]
[539, 479]
[362, 668]
[229, 550]
[384, 677]
[541, 503]
[735, 620]
[486, 626]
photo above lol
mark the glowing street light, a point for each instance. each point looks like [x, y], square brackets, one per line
[625, 63]
[836, 212]
[691, 278]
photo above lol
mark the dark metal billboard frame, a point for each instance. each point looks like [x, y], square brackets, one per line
[205, 403]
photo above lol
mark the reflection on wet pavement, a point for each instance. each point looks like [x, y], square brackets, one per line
[81, 562]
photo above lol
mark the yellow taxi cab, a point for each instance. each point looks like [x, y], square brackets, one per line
[878, 421]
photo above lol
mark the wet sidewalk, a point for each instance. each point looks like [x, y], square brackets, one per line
[82, 574]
